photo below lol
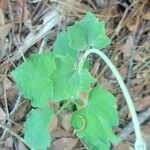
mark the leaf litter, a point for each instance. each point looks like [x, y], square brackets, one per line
[23, 36]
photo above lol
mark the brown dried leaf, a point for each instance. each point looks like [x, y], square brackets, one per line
[131, 24]
[64, 144]
[2, 18]
[4, 30]
[106, 83]
[123, 70]
[146, 16]
[146, 134]
[3, 5]
[27, 18]
[146, 128]
[21, 2]
[95, 68]
[21, 146]
[17, 128]
[21, 111]
[9, 142]
[54, 123]
[12, 93]
[60, 133]
[126, 49]
[18, 9]
[138, 58]
[122, 146]
[66, 122]
[8, 83]
[1, 89]
[74, 6]
[2, 114]
[143, 103]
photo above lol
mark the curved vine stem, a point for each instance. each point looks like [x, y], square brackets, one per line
[139, 144]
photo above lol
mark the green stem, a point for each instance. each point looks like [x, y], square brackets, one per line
[139, 144]
[63, 107]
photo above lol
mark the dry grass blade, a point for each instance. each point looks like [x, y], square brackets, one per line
[4, 30]
[51, 19]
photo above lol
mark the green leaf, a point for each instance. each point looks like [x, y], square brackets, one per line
[77, 37]
[36, 129]
[33, 78]
[89, 32]
[61, 46]
[96, 31]
[67, 80]
[93, 123]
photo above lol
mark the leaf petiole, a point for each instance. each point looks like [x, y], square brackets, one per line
[63, 107]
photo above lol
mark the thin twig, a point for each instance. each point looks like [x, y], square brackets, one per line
[42, 45]
[10, 10]
[133, 52]
[10, 115]
[124, 16]
[13, 133]
[5, 99]
[17, 104]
